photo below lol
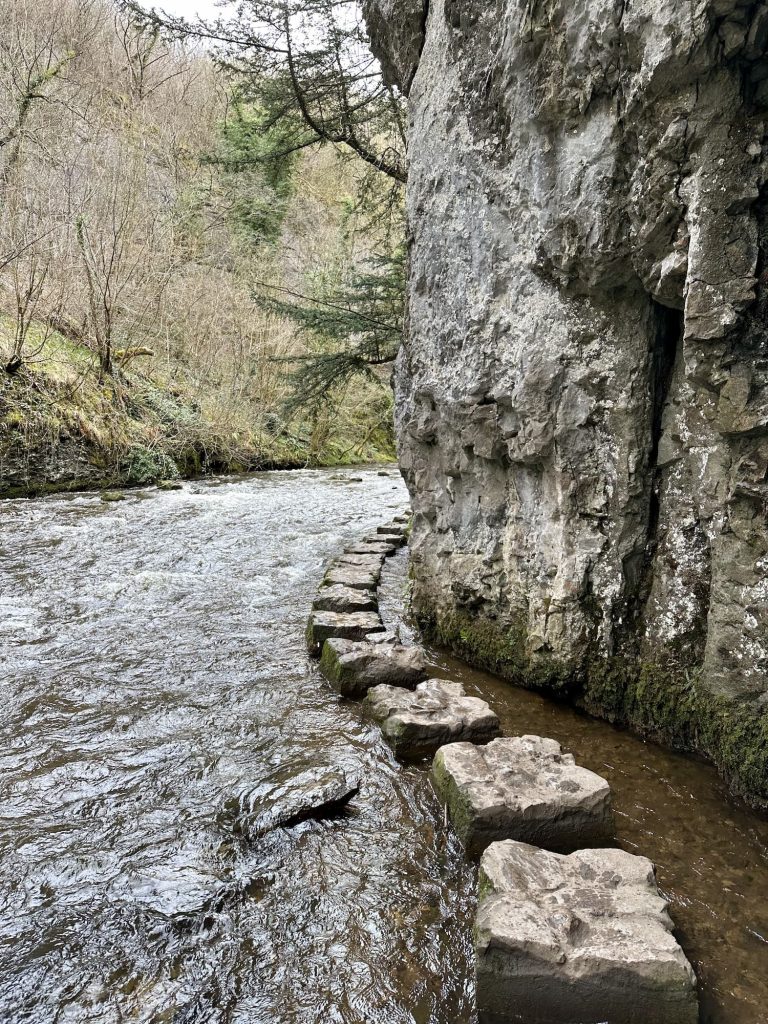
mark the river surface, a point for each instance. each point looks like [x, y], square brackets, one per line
[154, 674]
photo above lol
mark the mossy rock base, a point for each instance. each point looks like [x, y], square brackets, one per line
[670, 706]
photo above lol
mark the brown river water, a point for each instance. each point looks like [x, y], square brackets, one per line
[154, 669]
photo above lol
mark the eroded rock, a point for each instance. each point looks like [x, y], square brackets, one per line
[584, 937]
[437, 712]
[522, 788]
[344, 625]
[353, 668]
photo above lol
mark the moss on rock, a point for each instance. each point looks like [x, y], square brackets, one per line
[671, 706]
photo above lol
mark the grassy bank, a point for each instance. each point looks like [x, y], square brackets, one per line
[62, 426]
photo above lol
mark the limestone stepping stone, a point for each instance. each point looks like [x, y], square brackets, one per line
[524, 788]
[353, 668]
[584, 937]
[437, 712]
[368, 561]
[351, 576]
[345, 625]
[378, 547]
[339, 598]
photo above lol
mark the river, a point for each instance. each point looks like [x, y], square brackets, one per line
[154, 674]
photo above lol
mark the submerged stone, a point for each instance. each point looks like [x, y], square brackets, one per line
[437, 712]
[581, 938]
[353, 668]
[345, 625]
[339, 598]
[314, 793]
[112, 496]
[522, 788]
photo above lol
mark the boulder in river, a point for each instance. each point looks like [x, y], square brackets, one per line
[339, 598]
[584, 937]
[345, 625]
[524, 788]
[437, 712]
[353, 668]
[315, 793]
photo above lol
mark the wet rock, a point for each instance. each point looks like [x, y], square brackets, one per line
[522, 788]
[170, 485]
[351, 576]
[353, 668]
[315, 793]
[112, 496]
[345, 599]
[584, 937]
[344, 625]
[369, 562]
[366, 547]
[437, 712]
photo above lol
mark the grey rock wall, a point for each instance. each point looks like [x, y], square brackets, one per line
[582, 402]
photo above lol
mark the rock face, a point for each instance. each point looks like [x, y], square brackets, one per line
[582, 938]
[582, 402]
[416, 724]
[523, 788]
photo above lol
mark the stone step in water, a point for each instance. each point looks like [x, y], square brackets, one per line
[581, 938]
[372, 547]
[437, 712]
[339, 598]
[524, 788]
[369, 561]
[351, 576]
[344, 625]
[354, 668]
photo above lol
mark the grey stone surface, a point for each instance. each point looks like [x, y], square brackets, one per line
[380, 546]
[351, 576]
[370, 561]
[437, 712]
[584, 938]
[524, 788]
[339, 598]
[353, 668]
[582, 401]
[345, 625]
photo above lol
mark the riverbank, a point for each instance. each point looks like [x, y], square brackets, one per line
[65, 428]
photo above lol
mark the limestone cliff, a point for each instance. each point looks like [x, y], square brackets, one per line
[583, 398]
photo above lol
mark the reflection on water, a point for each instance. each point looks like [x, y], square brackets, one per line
[154, 669]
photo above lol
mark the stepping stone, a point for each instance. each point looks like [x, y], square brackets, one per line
[584, 937]
[396, 539]
[345, 625]
[437, 712]
[367, 561]
[345, 599]
[378, 547]
[351, 576]
[523, 788]
[353, 668]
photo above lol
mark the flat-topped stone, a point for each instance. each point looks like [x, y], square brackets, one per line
[371, 562]
[351, 576]
[524, 788]
[345, 625]
[339, 598]
[437, 712]
[581, 938]
[353, 668]
[371, 547]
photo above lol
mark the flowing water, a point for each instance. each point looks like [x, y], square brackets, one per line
[154, 672]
